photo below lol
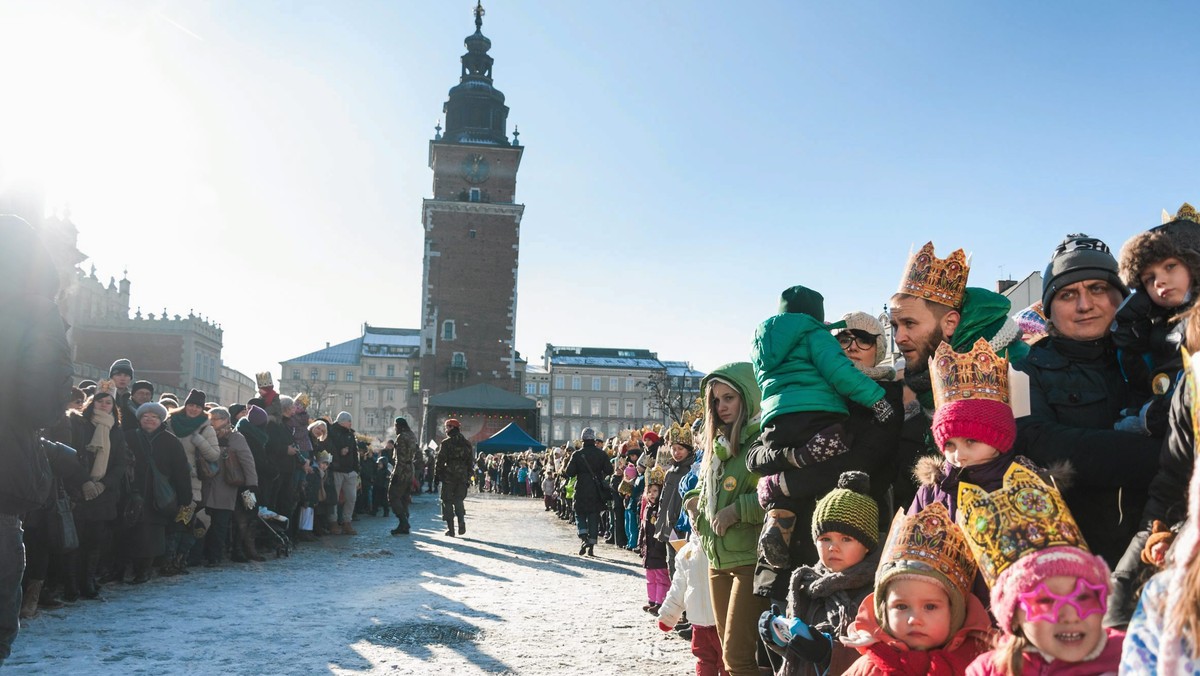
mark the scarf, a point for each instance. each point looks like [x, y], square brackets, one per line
[889, 660]
[183, 426]
[249, 429]
[836, 591]
[100, 444]
[713, 470]
[880, 374]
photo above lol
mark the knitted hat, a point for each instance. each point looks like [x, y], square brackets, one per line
[85, 384]
[589, 434]
[153, 408]
[121, 366]
[1176, 238]
[453, 422]
[650, 438]
[1033, 569]
[861, 321]
[256, 416]
[167, 396]
[848, 510]
[235, 409]
[196, 397]
[1032, 322]
[985, 420]
[142, 385]
[344, 417]
[1076, 259]
[804, 300]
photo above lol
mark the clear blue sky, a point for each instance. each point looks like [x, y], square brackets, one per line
[264, 162]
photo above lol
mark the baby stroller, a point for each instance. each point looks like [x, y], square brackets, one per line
[276, 526]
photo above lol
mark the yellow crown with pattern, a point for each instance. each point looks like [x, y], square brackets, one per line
[678, 434]
[656, 475]
[943, 281]
[926, 542]
[1024, 515]
[1186, 212]
[263, 379]
[971, 376]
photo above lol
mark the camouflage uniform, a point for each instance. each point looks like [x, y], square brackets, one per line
[400, 487]
[453, 468]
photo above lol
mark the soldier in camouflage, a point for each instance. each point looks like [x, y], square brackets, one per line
[453, 468]
[400, 485]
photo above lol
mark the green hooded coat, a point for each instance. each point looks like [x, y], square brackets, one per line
[738, 485]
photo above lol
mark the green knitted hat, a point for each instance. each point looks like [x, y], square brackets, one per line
[848, 509]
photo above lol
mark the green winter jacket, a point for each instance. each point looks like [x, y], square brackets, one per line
[800, 367]
[739, 545]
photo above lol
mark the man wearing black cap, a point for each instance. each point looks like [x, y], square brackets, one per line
[590, 464]
[1076, 394]
[121, 373]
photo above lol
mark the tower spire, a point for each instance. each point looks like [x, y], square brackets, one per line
[475, 112]
[479, 12]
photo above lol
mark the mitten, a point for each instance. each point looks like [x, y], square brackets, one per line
[1134, 421]
[771, 489]
[723, 519]
[883, 411]
[92, 489]
[764, 629]
[664, 627]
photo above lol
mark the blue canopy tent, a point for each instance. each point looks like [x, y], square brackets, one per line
[511, 439]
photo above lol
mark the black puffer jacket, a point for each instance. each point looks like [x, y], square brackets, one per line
[1076, 394]
[341, 438]
[586, 463]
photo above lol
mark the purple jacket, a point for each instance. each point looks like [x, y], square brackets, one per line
[939, 479]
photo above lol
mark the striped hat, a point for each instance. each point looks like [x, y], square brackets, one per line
[848, 510]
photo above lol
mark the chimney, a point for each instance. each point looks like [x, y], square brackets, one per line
[1004, 285]
[327, 345]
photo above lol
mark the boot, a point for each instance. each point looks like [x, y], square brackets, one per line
[450, 527]
[582, 546]
[249, 547]
[348, 529]
[115, 574]
[591, 551]
[88, 588]
[462, 525]
[48, 599]
[335, 529]
[776, 538]
[180, 564]
[29, 602]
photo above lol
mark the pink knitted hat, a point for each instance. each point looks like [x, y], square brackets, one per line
[985, 420]
[1032, 569]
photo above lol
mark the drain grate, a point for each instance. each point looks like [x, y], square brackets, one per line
[422, 633]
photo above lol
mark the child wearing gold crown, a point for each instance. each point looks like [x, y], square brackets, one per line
[973, 426]
[653, 550]
[806, 379]
[922, 617]
[1048, 592]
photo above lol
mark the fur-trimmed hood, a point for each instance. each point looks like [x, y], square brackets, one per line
[932, 470]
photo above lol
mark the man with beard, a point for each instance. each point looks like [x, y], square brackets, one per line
[935, 305]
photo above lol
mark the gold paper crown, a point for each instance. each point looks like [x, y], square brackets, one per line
[679, 434]
[1192, 366]
[942, 281]
[978, 374]
[263, 379]
[656, 475]
[1024, 515]
[1186, 212]
[925, 542]
[302, 399]
[106, 387]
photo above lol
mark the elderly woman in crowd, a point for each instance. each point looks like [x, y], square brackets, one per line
[190, 424]
[219, 494]
[162, 479]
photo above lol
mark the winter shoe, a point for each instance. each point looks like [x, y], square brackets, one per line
[776, 538]
[450, 527]
[462, 526]
[48, 599]
[348, 529]
[29, 602]
[591, 551]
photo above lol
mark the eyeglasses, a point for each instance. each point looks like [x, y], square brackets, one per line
[864, 340]
[1043, 605]
[1081, 242]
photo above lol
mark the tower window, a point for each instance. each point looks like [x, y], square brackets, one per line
[476, 194]
[471, 234]
[448, 329]
[459, 360]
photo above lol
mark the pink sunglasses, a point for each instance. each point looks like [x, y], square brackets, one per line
[1043, 605]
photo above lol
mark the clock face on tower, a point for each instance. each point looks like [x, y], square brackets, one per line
[475, 168]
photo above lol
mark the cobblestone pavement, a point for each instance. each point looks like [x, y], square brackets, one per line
[510, 597]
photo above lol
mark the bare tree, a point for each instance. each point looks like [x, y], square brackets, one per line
[671, 403]
[319, 403]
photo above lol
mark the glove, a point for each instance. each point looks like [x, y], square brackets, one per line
[724, 519]
[1134, 421]
[92, 489]
[664, 627]
[249, 500]
[764, 629]
[883, 411]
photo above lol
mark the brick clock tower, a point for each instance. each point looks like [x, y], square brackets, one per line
[472, 233]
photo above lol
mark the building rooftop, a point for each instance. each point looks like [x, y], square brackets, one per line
[342, 353]
[608, 362]
[682, 368]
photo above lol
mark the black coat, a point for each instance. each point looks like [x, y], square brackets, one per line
[279, 439]
[586, 463]
[1076, 394]
[341, 438]
[36, 359]
[164, 450]
[76, 431]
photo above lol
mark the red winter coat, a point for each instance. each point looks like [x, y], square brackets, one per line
[884, 654]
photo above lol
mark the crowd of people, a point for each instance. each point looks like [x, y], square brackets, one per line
[1038, 462]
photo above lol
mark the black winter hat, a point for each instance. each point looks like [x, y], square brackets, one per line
[121, 366]
[1076, 259]
[801, 299]
[196, 397]
[142, 385]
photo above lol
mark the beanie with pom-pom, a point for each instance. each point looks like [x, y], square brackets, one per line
[985, 420]
[849, 510]
[1034, 568]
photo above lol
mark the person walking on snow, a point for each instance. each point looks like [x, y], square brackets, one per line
[453, 469]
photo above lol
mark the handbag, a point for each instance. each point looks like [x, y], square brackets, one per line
[63, 536]
[163, 493]
[231, 469]
[206, 469]
[603, 490]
